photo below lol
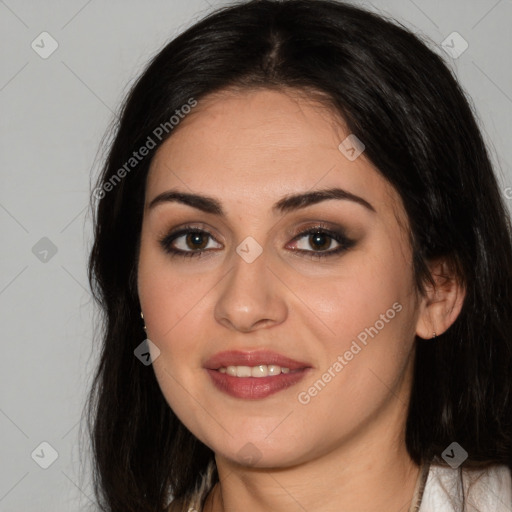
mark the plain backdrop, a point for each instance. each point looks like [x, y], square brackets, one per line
[55, 109]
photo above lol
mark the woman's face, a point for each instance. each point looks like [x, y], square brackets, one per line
[347, 308]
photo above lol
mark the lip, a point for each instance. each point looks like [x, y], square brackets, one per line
[253, 388]
[252, 358]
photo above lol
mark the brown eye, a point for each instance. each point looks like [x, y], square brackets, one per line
[194, 242]
[321, 239]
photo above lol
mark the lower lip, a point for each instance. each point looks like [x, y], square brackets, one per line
[255, 387]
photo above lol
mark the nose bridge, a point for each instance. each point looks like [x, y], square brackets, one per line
[249, 274]
[249, 294]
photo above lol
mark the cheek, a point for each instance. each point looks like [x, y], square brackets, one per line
[365, 288]
[169, 298]
[173, 313]
[362, 367]
[175, 309]
[172, 310]
[371, 320]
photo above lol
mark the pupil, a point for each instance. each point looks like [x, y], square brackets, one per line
[317, 236]
[194, 237]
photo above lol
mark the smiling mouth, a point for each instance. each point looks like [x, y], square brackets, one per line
[259, 371]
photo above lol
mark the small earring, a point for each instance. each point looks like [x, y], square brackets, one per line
[142, 316]
[434, 336]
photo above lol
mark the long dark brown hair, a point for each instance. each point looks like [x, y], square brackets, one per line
[400, 98]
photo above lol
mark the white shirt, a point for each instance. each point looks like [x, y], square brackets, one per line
[487, 490]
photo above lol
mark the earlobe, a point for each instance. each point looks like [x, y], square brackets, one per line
[441, 304]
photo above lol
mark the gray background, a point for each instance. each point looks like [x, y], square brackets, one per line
[54, 114]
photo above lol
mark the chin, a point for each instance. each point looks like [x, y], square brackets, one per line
[258, 452]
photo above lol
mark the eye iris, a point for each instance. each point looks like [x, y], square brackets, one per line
[193, 239]
[316, 236]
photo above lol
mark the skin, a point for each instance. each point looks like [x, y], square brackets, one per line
[345, 448]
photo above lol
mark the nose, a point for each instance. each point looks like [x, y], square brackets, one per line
[251, 296]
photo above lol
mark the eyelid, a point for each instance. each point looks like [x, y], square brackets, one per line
[188, 226]
[320, 225]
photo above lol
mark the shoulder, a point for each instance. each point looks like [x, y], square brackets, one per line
[483, 489]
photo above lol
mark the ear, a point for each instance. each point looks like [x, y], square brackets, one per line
[442, 303]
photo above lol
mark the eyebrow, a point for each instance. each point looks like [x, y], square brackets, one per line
[286, 204]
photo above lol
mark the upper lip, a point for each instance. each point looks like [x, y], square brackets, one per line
[253, 358]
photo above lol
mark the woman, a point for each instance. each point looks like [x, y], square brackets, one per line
[299, 204]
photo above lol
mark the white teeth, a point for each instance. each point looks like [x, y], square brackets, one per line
[261, 370]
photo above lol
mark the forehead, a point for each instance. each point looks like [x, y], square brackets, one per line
[248, 145]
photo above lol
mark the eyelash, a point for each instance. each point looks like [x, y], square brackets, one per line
[345, 242]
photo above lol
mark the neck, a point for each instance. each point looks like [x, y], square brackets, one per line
[371, 477]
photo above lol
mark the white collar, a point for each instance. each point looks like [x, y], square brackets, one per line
[484, 490]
